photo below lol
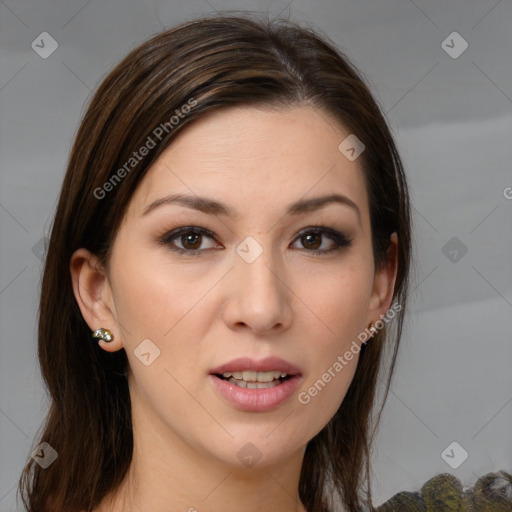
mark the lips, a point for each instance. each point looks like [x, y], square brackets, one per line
[264, 365]
[256, 396]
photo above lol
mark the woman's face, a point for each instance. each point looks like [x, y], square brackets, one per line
[264, 269]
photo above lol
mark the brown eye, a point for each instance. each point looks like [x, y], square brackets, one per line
[191, 241]
[191, 238]
[312, 239]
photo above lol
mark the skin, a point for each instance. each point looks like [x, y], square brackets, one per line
[206, 309]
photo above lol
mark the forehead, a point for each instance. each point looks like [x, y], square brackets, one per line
[255, 160]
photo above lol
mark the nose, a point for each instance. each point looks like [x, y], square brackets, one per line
[258, 298]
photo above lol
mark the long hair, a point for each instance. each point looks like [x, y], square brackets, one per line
[160, 87]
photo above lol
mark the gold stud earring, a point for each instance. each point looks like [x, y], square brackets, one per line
[103, 334]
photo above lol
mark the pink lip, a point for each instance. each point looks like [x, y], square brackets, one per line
[257, 400]
[265, 365]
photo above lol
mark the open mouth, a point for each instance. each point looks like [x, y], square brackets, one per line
[257, 390]
[254, 380]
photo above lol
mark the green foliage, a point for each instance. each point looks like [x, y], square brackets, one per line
[444, 493]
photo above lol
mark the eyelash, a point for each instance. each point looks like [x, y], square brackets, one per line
[340, 240]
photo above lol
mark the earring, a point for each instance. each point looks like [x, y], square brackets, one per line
[374, 331]
[103, 334]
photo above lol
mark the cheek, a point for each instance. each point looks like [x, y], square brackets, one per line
[340, 305]
[324, 391]
[338, 301]
[160, 315]
[159, 302]
[152, 296]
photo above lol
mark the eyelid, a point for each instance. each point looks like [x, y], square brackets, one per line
[340, 239]
[176, 232]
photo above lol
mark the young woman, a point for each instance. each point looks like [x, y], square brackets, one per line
[228, 259]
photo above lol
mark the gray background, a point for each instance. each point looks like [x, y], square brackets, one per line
[453, 121]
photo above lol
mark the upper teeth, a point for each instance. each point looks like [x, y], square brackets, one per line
[250, 376]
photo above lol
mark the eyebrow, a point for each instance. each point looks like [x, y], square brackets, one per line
[213, 207]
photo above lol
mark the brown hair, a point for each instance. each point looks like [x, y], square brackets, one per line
[210, 63]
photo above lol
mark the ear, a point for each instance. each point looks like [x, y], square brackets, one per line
[384, 283]
[93, 294]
